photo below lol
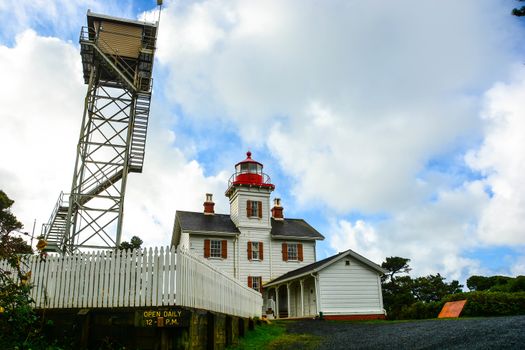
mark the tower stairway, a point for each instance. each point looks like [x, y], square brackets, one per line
[53, 231]
[139, 132]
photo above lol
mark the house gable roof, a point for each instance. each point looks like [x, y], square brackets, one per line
[321, 264]
[221, 224]
[291, 228]
[198, 222]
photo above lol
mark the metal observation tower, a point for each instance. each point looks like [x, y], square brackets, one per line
[117, 60]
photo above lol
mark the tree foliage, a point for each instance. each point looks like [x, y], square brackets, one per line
[400, 292]
[134, 243]
[8, 222]
[395, 265]
[496, 283]
[519, 11]
[19, 325]
[434, 288]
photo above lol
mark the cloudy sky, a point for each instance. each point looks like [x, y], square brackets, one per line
[394, 128]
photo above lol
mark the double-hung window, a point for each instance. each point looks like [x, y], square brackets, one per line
[254, 209]
[292, 252]
[215, 248]
[255, 282]
[255, 251]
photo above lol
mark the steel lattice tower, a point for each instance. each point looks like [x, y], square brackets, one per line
[117, 59]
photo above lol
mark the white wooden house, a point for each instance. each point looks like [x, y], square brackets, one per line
[255, 243]
[343, 286]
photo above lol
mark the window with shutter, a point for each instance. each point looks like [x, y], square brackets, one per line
[254, 209]
[284, 251]
[214, 248]
[224, 249]
[255, 282]
[261, 251]
[248, 208]
[292, 252]
[207, 248]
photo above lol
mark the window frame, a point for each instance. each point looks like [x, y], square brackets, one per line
[254, 209]
[255, 251]
[256, 283]
[219, 249]
[291, 247]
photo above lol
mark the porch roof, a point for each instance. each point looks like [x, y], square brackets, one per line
[321, 264]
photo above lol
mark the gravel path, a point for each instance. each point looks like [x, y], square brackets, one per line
[474, 333]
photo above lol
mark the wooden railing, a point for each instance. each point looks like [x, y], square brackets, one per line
[203, 286]
[149, 277]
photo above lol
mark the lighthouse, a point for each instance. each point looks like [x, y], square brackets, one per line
[249, 190]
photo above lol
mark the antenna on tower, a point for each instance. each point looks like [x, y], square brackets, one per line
[159, 4]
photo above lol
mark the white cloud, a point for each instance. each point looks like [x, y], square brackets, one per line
[434, 236]
[42, 100]
[502, 158]
[360, 237]
[64, 17]
[43, 97]
[351, 98]
[391, 96]
[169, 182]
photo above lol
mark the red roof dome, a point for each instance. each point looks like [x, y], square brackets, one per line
[249, 159]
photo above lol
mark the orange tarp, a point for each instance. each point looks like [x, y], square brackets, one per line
[452, 309]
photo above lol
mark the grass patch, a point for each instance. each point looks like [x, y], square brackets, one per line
[274, 337]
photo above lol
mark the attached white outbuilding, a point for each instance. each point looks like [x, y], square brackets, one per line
[343, 286]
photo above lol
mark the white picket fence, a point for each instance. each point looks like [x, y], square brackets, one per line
[138, 278]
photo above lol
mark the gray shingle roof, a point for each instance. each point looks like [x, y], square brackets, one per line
[321, 264]
[192, 221]
[222, 223]
[305, 269]
[294, 228]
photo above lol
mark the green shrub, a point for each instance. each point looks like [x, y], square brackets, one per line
[487, 303]
[420, 310]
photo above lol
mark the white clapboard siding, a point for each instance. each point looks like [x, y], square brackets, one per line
[149, 277]
[350, 289]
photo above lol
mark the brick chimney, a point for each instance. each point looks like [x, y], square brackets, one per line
[277, 210]
[209, 205]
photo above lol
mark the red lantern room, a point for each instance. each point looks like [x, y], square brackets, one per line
[249, 173]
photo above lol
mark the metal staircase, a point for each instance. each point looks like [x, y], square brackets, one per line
[140, 128]
[54, 230]
[112, 139]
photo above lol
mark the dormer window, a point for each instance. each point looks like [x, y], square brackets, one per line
[254, 209]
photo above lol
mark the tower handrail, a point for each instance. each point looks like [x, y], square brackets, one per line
[85, 36]
[59, 203]
[89, 35]
[266, 180]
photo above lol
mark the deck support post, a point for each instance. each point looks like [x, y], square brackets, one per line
[277, 302]
[288, 299]
[302, 297]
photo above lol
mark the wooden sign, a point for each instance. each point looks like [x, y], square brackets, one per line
[162, 317]
[452, 309]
